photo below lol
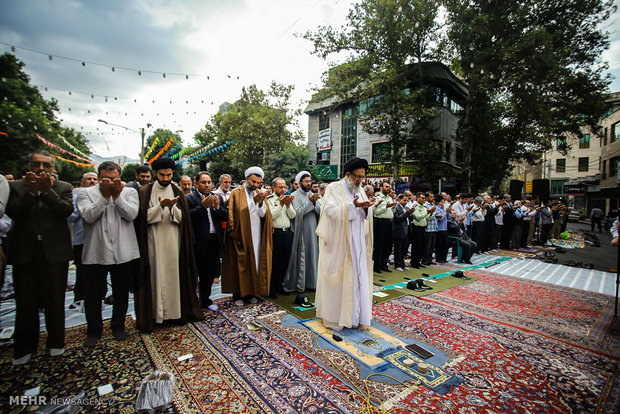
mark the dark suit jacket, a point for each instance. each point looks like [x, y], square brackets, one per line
[457, 229]
[200, 218]
[400, 224]
[40, 217]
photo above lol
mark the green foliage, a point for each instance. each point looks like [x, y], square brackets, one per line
[288, 163]
[129, 172]
[534, 74]
[24, 112]
[259, 125]
[382, 39]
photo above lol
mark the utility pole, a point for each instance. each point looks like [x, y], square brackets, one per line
[142, 147]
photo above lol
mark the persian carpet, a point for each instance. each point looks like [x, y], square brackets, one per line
[123, 364]
[579, 317]
[506, 369]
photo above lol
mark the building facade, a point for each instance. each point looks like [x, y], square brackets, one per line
[336, 135]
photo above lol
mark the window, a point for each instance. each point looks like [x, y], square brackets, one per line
[448, 151]
[561, 143]
[583, 163]
[584, 141]
[348, 136]
[560, 165]
[604, 140]
[322, 158]
[459, 155]
[381, 152]
[557, 187]
[455, 107]
[615, 132]
[613, 166]
[323, 121]
[604, 170]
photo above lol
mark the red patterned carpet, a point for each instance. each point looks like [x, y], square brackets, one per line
[506, 369]
[278, 368]
[579, 317]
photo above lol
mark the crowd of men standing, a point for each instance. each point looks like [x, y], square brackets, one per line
[168, 243]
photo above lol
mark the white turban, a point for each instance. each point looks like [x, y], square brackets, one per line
[301, 175]
[254, 170]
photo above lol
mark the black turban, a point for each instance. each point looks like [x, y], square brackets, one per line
[162, 164]
[355, 163]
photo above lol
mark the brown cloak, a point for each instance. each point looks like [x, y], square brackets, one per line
[238, 265]
[188, 275]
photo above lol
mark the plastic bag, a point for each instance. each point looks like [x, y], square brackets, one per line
[156, 391]
[565, 235]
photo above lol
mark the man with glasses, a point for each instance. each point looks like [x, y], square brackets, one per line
[39, 250]
[344, 288]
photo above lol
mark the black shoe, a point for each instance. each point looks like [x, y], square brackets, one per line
[377, 270]
[385, 269]
[120, 335]
[91, 341]
[468, 262]
[109, 300]
[415, 266]
[422, 266]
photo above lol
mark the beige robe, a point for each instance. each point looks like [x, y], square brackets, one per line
[164, 241]
[335, 300]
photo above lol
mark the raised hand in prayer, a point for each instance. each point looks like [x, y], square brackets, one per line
[116, 186]
[168, 202]
[105, 187]
[430, 210]
[390, 205]
[259, 196]
[216, 202]
[31, 182]
[313, 197]
[45, 181]
[363, 204]
[208, 201]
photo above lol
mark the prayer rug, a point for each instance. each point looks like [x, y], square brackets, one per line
[568, 244]
[579, 317]
[123, 364]
[514, 253]
[437, 279]
[505, 369]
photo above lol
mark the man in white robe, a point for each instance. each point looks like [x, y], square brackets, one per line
[344, 288]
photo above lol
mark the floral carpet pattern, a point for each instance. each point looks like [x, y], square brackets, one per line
[506, 369]
[579, 317]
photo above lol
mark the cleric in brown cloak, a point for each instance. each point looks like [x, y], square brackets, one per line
[248, 239]
[167, 281]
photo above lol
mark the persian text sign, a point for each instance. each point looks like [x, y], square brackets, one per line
[325, 139]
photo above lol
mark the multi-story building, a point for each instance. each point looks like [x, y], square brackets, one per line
[584, 168]
[610, 155]
[336, 135]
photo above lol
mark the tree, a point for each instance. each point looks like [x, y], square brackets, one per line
[24, 112]
[534, 74]
[386, 42]
[129, 172]
[260, 125]
[288, 163]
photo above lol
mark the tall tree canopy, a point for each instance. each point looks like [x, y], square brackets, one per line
[534, 73]
[385, 42]
[260, 123]
[24, 112]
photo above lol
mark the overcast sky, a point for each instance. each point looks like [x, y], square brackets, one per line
[235, 43]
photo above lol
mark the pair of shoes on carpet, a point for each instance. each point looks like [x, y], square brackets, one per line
[212, 307]
[385, 269]
[377, 270]
[461, 275]
[77, 305]
[400, 269]
[467, 261]
[109, 300]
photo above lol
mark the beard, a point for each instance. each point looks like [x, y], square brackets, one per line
[164, 183]
[353, 186]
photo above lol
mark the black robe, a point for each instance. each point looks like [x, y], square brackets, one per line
[188, 275]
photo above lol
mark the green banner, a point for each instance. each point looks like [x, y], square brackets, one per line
[326, 172]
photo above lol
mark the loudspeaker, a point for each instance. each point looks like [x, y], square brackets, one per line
[540, 188]
[516, 186]
[203, 165]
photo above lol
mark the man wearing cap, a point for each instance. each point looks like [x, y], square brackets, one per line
[344, 288]
[248, 239]
[302, 267]
[167, 282]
